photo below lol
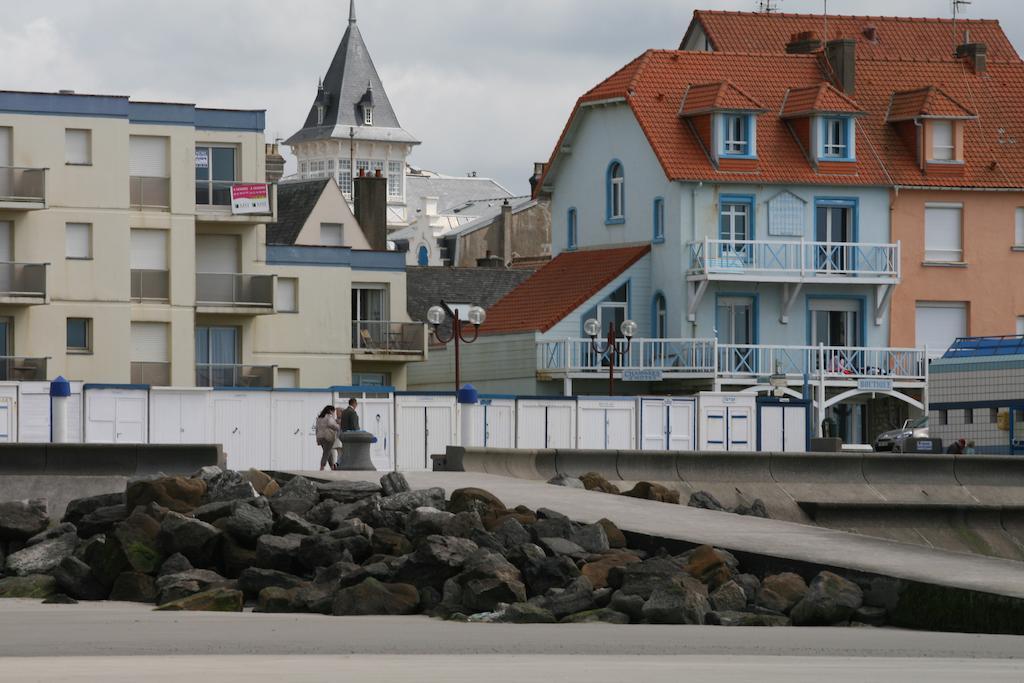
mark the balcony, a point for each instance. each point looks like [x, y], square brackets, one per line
[234, 293]
[774, 261]
[22, 189]
[153, 374]
[19, 368]
[656, 359]
[225, 375]
[150, 286]
[236, 202]
[149, 194]
[22, 284]
[386, 340]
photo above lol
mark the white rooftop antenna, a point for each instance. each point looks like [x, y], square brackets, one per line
[824, 36]
[768, 6]
[957, 5]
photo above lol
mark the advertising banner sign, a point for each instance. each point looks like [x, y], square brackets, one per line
[250, 198]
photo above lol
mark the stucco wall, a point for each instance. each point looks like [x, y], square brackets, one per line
[332, 207]
[530, 232]
[505, 363]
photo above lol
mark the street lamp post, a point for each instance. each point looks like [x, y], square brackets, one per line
[438, 314]
[628, 328]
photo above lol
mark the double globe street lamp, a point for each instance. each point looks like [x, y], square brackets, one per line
[592, 328]
[436, 315]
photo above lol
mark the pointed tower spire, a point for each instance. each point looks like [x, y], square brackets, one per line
[352, 11]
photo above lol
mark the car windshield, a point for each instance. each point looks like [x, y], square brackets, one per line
[916, 423]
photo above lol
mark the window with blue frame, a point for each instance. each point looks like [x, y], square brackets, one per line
[835, 138]
[615, 203]
[659, 220]
[423, 256]
[572, 237]
[736, 135]
[735, 228]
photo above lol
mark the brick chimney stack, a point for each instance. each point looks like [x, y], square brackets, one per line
[975, 54]
[841, 55]
[274, 162]
[803, 43]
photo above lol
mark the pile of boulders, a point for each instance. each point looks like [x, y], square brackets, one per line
[594, 481]
[221, 540]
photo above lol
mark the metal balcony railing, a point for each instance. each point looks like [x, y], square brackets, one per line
[150, 193]
[799, 260]
[19, 368]
[20, 184]
[151, 373]
[235, 290]
[227, 375]
[382, 336]
[150, 285]
[216, 194]
[25, 280]
[672, 356]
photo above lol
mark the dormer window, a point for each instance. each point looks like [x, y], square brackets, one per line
[319, 114]
[836, 142]
[932, 124]
[736, 140]
[943, 142]
[822, 119]
[724, 119]
[367, 116]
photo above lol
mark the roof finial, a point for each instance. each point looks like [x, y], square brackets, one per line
[352, 11]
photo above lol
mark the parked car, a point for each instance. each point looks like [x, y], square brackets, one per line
[893, 439]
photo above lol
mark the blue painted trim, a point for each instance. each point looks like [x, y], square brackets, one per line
[855, 297]
[658, 294]
[748, 127]
[755, 311]
[162, 113]
[751, 202]
[129, 387]
[572, 229]
[114, 106]
[254, 120]
[609, 219]
[822, 127]
[763, 401]
[851, 202]
[363, 390]
[658, 220]
[336, 257]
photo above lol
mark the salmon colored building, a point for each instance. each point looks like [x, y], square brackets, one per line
[943, 116]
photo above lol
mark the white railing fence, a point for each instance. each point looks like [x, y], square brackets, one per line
[798, 258]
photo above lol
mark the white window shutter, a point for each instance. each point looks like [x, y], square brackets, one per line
[332, 235]
[942, 233]
[1019, 228]
[938, 324]
[149, 249]
[149, 342]
[76, 146]
[148, 157]
[78, 240]
[287, 294]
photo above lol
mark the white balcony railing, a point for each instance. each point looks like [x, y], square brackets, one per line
[744, 362]
[796, 260]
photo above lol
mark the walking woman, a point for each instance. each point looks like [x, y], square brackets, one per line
[326, 432]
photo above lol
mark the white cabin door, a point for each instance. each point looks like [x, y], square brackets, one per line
[680, 426]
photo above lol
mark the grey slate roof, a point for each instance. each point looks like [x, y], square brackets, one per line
[295, 201]
[454, 194]
[352, 79]
[426, 286]
[487, 218]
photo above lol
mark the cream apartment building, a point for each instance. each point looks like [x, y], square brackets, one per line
[123, 259]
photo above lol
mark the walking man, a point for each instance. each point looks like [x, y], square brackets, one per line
[349, 417]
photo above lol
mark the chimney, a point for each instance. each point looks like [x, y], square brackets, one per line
[538, 173]
[371, 209]
[490, 261]
[505, 236]
[975, 54]
[274, 163]
[803, 43]
[870, 33]
[841, 54]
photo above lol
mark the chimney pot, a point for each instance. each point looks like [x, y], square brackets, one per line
[975, 54]
[802, 43]
[871, 33]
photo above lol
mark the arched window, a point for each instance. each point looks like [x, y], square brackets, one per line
[572, 236]
[659, 220]
[616, 199]
[423, 256]
[660, 317]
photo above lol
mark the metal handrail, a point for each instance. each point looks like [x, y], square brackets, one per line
[386, 336]
[23, 184]
[692, 356]
[19, 279]
[235, 289]
[23, 368]
[804, 258]
[234, 375]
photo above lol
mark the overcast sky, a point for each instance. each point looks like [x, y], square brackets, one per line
[486, 84]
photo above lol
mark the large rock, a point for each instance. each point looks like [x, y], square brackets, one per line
[755, 509]
[38, 586]
[540, 572]
[483, 502]
[409, 501]
[101, 520]
[43, 556]
[728, 597]
[553, 527]
[566, 481]
[260, 481]
[829, 600]
[683, 602]
[649, 491]
[214, 600]
[561, 546]
[597, 570]
[780, 592]
[347, 491]
[105, 558]
[616, 539]
[373, 597]
[389, 542]
[196, 540]
[175, 564]
[80, 507]
[322, 550]
[488, 580]
[278, 552]
[76, 579]
[276, 600]
[705, 501]
[710, 566]
[299, 487]
[134, 587]
[593, 481]
[254, 579]
[643, 578]
[207, 472]
[730, 618]
[20, 520]
[427, 521]
[525, 613]
[511, 533]
[235, 557]
[175, 586]
[592, 538]
[247, 523]
[578, 596]
[436, 559]
[228, 486]
[292, 523]
[394, 482]
[211, 512]
[603, 615]
[139, 538]
[750, 584]
[179, 494]
[633, 605]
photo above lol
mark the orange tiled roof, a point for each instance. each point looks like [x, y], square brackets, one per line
[653, 85]
[928, 102]
[558, 288]
[821, 98]
[708, 97]
[893, 38]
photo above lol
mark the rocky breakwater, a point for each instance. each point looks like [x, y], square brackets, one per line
[224, 540]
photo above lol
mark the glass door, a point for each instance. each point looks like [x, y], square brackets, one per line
[370, 315]
[837, 326]
[215, 173]
[734, 230]
[834, 230]
[217, 353]
[735, 321]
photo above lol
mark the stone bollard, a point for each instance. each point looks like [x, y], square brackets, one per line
[355, 451]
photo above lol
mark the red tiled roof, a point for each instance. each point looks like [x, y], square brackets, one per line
[926, 102]
[558, 288]
[653, 85]
[893, 38]
[818, 98]
[708, 97]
